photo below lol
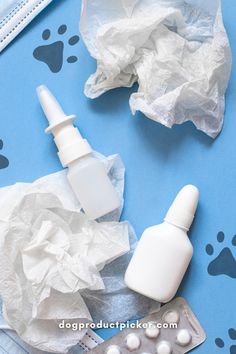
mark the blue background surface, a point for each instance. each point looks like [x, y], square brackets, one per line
[158, 161]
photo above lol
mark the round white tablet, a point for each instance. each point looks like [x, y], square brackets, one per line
[113, 349]
[152, 331]
[171, 317]
[184, 337]
[164, 348]
[133, 341]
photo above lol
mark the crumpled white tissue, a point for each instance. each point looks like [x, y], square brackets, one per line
[49, 252]
[177, 51]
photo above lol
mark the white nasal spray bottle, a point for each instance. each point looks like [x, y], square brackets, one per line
[164, 251]
[86, 174]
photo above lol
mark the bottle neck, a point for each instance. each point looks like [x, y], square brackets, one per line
[81, 159]
[179, 217]
[71, 146]
[175, 225]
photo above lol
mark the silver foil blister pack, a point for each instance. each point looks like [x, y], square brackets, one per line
[174, 329]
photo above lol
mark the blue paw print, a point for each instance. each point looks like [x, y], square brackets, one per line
[221, 344]
[224, 262]
[52, 54]
[3, 160]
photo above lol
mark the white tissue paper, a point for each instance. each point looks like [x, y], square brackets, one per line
[177, 51]
[50, 253]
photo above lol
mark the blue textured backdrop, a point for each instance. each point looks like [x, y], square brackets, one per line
[158, 161]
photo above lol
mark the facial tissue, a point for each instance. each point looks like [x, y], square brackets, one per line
[52, 258]
[177, 51]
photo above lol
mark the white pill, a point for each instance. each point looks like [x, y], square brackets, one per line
[164, 348]
[184, 337]
[171, 317]
[113, 349]
[152, 331]
[132, 342]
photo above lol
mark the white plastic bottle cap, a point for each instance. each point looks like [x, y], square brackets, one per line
[70, 143]
[183, 208]
[133, 341]
[184, 337]
[164, 348]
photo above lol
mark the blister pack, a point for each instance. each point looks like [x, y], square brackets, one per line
[174, 329]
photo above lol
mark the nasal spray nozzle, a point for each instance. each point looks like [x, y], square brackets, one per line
[68, 139]
[182, 211]
[86, 173]
[52, 109]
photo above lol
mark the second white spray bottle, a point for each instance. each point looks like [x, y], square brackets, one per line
[86, 174]
[164, 251]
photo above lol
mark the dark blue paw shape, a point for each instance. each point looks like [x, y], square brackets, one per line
[3, 160]
[52, 54]
[225, 262]
[221, 344]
